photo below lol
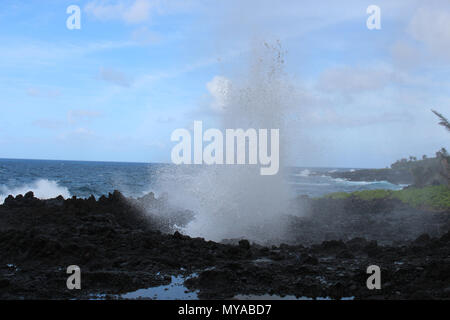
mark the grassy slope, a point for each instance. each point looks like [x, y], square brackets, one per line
[432, 197]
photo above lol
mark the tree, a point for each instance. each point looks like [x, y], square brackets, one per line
[443, 121]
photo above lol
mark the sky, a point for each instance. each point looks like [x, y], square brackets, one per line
[136, 70]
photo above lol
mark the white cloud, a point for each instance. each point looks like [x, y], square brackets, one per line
[145, 36]
[103, 10]
[75, 118]
[136, 11]
[354, 79]
[33, 92]
[37, 92]
[165, 119]
[77, 135]
[219, 88]
[83, 131]
[139, 11]
[49, 124]
[78, 115]
[405, 55]
[331, 117]
[114, 76]
[25, 52]
[430, 25]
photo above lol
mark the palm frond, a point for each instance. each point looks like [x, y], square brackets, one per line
[443, 121]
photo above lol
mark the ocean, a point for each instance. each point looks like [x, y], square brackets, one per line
[50, 178]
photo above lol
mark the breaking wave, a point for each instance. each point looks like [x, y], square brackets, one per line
[42, 189]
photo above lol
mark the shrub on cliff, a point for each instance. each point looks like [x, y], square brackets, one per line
[431, 197]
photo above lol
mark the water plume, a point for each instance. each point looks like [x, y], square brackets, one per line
[235, 201]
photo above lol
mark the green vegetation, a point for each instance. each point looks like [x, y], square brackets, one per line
[431, 197]
[443, 120]
[412, 162]
[431, 187]
[428, 171]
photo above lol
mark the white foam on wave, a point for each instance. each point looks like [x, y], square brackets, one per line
[310, 183]
[366, 183]
[42, 189]
[303, 173]
[344, 181]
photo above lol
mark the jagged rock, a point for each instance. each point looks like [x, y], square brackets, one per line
[29, 195]
[122, 246]
[244, 244]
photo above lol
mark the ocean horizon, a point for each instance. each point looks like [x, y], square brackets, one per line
[51, 178]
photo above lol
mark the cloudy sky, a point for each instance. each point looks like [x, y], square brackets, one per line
[115, 89]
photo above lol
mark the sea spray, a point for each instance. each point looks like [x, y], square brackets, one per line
[235, 151]
[234, 201]
[42, 189]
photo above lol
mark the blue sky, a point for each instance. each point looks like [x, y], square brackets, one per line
[138, 69]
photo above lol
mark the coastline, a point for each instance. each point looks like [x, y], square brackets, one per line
[401, 177]
[121, 249]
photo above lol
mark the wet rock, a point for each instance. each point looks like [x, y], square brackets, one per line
[178, 235]
[333, 245]
[308, 259]
[9, 201]
[4, 283]
[345, 254]
[244, 244]
[372, 249]
[422, 239]
[356, 244]
[57, 202]
[29, 195]
[446, 237]
[120, 248]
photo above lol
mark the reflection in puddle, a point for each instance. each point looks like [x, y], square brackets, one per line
[276, 297]
[262, 260]
[174, 291]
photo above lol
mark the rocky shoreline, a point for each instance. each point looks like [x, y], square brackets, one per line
[395, 176]
[122, 245]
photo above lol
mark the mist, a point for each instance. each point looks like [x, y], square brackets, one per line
[236, 201]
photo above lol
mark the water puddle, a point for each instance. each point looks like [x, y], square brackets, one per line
[262, 261]
[174, 291]
[277, 297]
[12, 267]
